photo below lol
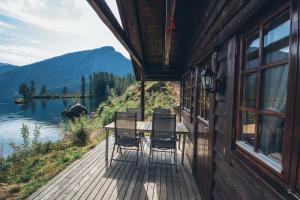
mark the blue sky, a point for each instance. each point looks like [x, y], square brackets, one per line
[34, 30]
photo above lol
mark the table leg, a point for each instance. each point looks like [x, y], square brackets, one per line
[106, 147]
[179, 141]
[183, 148]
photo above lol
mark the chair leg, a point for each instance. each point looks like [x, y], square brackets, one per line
[150, 156]
[137, 156]
[120, 149]
[112, 155]
[175, 159]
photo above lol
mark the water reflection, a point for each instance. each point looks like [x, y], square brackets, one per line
[44, 113]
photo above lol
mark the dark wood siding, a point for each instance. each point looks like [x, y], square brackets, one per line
[220, 170]
[241, 182]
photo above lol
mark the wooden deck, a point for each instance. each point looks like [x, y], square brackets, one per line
[89, 178]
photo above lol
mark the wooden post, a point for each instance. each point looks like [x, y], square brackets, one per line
[143, 95]
[181, 100]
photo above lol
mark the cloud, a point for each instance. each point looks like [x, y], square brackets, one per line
[55, 26]
[6, 25]
[22, 54]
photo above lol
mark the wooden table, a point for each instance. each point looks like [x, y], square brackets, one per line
[146, 126]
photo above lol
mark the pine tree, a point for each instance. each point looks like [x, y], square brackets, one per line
[65, 90]
[43, 90]
[24, 90]
[82, 86]
[32, 88]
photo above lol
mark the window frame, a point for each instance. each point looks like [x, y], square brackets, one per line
[266, 167]
[199, 101]
[187, 87]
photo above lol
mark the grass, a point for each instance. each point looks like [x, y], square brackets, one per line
[26, 170]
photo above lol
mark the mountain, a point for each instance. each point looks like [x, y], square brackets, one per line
[4, 67]
[65, 70]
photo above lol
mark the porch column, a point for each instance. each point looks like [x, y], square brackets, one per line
[180, 99]
[142, 96]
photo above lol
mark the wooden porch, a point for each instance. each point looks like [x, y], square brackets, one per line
[89, 178]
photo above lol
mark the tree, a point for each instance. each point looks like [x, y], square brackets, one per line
[24, 90]
[32, 88]
[91, 90]
[43, 90]
[65, 90]
[82, 86]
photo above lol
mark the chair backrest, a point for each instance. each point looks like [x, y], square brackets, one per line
[164, 126]
[162, 111]
[138, 112]
[125, 125]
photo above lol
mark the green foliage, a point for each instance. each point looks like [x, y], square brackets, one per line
[25, 135]
[157, 95]
[79, 129]
[65, 90]
[82, 86]
[32, 88]
[34, 163]
[24, 90]
[43, 91]
[99, 82]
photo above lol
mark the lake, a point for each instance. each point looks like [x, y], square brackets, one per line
[44, 113]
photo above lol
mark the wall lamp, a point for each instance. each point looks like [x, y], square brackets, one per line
[207, 77]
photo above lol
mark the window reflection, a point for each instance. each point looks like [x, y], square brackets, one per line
[271, 137]
[248, 122]
[249, 91]
[274, 87]
[276, 39]
[252, 52]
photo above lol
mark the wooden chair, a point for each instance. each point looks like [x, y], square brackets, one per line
[126, 135]
[138, 112]
[162, 111]
[163, 136]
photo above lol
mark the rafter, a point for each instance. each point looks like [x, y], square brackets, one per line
[169, 28]
[108, 18]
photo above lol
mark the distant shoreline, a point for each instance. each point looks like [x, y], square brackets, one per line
[54, 97]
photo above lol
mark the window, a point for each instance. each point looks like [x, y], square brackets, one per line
[187, 93]
[202, 99]
[263, 91]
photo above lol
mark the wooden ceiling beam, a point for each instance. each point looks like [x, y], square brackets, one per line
[161, 78]
[169, 27]
[108, 18]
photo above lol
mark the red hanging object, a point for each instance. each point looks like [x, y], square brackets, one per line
[171, 27]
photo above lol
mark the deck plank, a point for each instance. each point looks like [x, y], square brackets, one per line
[163, 176]
[64, 173]
[105, 181]
[118, 180]
[129, 185]
[156, 192]
[89, 178]
[67, 182]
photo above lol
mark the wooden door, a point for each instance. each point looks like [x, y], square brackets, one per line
[203, 145]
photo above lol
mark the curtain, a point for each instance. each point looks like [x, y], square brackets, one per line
[274, 91]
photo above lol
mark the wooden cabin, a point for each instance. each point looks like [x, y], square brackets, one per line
[244, 124]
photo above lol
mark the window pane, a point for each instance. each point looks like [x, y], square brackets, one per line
[274, 87]
[252, 52]
[248, 121]
[271, 131]
[206, 108]
[276, 39]
[249, 91]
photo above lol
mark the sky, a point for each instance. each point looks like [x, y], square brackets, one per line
[34, 30]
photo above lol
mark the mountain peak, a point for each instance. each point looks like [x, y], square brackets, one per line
[106, 48]
[66, 70]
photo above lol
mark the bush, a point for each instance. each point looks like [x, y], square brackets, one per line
[78, 130]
